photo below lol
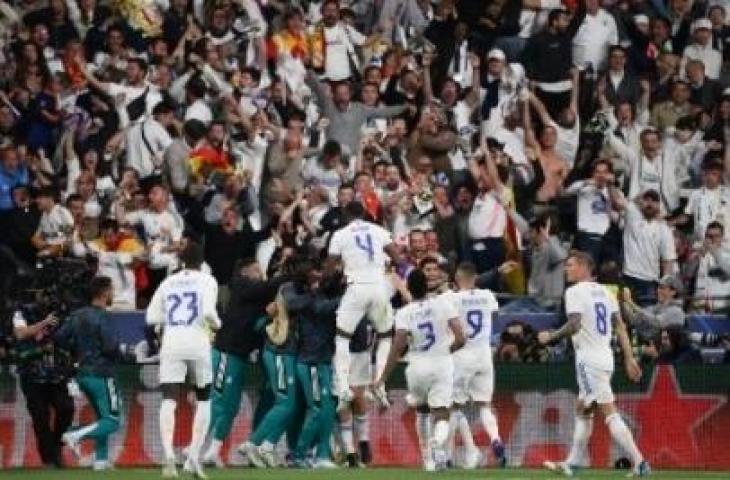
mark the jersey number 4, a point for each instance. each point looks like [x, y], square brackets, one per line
[175, 301]
[365, 243]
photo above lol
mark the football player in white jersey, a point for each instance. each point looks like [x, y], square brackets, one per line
[184, 305]
[473, 367]
[363, 248]
[430, 327]
[593, 318]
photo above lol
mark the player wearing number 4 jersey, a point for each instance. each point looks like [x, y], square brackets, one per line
[184, 305]
[431, 328]
[362, 247]
[593, 317]
[473, 368]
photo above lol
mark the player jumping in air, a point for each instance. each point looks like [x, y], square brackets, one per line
[593, 317]
[185, 305]
[362, 247]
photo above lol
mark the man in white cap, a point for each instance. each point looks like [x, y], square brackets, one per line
[701, 49]
[499, 87]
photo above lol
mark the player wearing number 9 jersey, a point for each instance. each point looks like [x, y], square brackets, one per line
[430, 327]
[473, 367]
[363, 247]
[185, 306]
[593, 318]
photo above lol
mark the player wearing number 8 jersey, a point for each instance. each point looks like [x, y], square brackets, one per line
[430, 327]
[363, 248]
[593, 318]
[473, 367]
[184, 305]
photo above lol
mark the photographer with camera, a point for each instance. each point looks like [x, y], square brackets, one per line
[44, 370]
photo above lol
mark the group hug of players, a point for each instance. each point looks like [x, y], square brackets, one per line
[312, 393]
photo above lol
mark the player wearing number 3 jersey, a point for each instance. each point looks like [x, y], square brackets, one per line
[184, 305]
[593, 318]
[473, 367]
[430, 327]
[363, 248]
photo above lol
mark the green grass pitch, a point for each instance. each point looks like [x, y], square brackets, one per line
[370, 474]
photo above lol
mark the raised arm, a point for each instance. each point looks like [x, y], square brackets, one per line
[530, 137]
[427, 86]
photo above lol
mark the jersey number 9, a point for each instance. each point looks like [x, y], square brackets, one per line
[188, 314]
[475, 319]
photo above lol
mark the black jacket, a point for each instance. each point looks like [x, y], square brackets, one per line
[248, 303]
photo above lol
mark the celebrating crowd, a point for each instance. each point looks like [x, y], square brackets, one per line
[139, 138]
[503, 133]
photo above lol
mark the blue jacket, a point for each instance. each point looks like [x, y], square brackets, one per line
[8, 181]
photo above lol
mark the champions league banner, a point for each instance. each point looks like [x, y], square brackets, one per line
[679, 415]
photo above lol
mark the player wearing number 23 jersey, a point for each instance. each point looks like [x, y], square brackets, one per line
[185, 304]
[592, 343]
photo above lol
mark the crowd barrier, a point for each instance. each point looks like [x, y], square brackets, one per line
[680, 416]
[130, 325]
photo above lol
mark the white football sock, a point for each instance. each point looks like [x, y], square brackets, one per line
[362, 427]
[423, 431]
[201, 422]
[489, 421]
[581, 435]
[342, 363]
[465, 431]
[441, 433]
[214, 450]
[621, 433]
[381, 354]
[167, 427]
[347, 437]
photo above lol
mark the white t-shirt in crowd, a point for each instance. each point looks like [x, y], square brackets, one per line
[593, 208]
[706, 206]
[487, 218]
[161, 229]
[646, 244]
[593, 39]
[56, 225]
[139, 155]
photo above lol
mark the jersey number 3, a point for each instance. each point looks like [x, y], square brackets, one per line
[365, 243]
[175, 301]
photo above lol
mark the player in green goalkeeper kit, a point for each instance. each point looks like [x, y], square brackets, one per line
[88, 333]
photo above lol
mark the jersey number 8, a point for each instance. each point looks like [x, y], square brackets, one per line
[601, 323]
